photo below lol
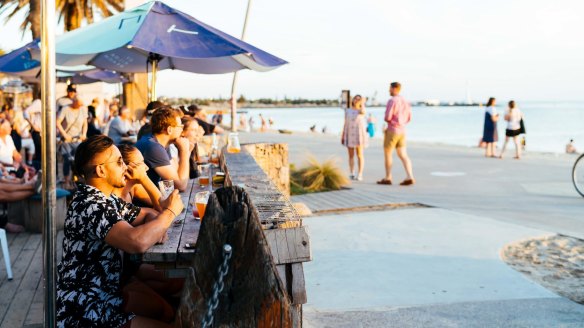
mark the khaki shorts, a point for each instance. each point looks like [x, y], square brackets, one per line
[392, 140]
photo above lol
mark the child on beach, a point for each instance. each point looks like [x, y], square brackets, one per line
[371, 125]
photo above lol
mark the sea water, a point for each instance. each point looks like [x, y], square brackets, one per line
[549, 125]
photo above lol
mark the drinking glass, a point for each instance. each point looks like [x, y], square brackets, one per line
[233, 145]
[201, 199]
[166, 188]
[204, 174]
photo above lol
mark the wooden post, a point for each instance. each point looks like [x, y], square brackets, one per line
[254, 295]
[136, 93]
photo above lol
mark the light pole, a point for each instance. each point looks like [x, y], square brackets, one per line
[233, 100]
[48, 157]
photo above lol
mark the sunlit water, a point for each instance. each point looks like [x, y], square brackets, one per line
[549, 125]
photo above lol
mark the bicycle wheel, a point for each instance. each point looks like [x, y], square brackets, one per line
[578, 175]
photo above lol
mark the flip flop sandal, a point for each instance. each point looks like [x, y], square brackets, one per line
[384, 182]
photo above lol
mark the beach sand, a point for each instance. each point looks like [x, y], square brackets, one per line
[555, 262]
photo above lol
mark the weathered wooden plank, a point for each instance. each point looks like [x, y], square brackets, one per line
[292, 245]
[15, 248]
[167, 252]
[282, 274]
[35, 314]
[9, 288]
[273, 243]
[16, 314]
[298, 284]
[296, 315]
[190, 235]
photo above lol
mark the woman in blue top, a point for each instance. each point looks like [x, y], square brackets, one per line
[490, 134]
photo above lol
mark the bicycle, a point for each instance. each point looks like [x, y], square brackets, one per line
[578, 175]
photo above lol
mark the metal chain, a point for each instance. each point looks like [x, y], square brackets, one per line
[218, 286]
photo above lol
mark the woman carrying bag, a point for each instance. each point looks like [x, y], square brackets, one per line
[515, 127]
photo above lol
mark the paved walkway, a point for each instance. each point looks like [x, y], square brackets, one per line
[439, 266]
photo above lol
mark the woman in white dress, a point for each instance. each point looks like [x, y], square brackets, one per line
[354, 135]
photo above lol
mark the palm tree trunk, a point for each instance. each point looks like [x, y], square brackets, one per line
[35, 18]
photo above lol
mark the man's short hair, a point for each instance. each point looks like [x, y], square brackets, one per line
[71, 88]
[87, 150]
[395, 85]
[194, 109]
[153, 106]
[162, 119]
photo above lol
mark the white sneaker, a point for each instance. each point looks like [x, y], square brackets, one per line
[360, 178]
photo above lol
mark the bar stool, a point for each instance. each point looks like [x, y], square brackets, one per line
[5, 253]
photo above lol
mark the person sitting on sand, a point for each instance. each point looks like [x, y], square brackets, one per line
[570, 149]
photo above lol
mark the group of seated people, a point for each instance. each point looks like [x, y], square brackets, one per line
[118, 207]
[18, 180]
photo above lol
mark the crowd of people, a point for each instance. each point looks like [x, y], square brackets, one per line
[117, 207]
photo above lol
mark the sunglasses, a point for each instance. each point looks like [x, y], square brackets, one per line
[119, 162]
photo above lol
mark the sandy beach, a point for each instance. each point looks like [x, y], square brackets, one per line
[555, 262]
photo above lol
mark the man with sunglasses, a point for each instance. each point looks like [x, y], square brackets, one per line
[98, 225]
[166, 130]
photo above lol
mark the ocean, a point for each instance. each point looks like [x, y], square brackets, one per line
[549, 125]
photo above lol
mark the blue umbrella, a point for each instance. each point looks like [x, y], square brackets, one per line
[95, 75]
[164, 37]
[20, 62]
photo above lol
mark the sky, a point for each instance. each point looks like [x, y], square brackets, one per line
[514, 49]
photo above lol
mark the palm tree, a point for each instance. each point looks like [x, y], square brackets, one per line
[72, 11]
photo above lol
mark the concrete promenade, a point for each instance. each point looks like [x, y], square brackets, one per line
[436, 266]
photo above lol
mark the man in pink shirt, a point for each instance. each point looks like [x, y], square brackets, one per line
[398, 113]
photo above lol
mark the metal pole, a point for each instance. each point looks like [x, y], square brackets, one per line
[48, 136]
[233, 100]
[153, 80]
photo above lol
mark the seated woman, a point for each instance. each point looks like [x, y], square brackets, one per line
[10, 158]
[139, 189]
[13, 190]
[194, 133]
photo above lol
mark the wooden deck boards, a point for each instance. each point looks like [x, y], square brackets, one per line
[22, 299]
[343, 199]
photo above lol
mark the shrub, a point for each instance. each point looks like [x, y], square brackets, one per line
[316, 177]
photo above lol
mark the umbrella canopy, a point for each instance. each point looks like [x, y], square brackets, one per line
[95, 75]
[125, 42]
[20, 62]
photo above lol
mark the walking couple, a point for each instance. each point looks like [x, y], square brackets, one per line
[354, 136]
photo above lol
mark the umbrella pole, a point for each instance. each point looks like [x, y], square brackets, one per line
[154, 59]
[233, 100]
[153, 80]
[48, 160]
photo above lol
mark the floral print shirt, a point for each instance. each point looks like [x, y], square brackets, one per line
[89, 293]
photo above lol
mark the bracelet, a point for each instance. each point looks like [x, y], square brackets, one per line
[171, 211]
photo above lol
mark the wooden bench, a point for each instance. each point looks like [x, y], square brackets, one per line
[29, 212]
